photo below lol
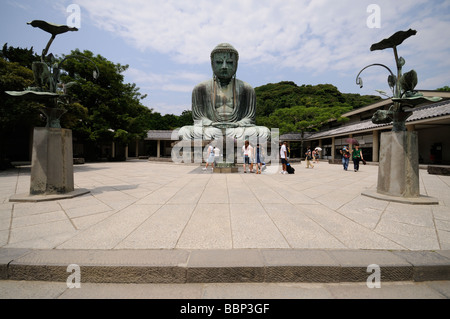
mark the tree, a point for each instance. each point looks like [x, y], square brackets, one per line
[444, 89]
[106, 109]
[301, 119]
[25, 57]
[185, 118]
[17, 116]
[271, 97]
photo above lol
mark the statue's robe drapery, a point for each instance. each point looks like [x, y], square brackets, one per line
[205, 99]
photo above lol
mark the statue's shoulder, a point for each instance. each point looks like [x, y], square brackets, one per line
[244, 85]
[203, 85]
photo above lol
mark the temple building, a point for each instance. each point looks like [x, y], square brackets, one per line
[431, 121]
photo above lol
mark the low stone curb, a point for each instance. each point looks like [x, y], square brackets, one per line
[223, 266]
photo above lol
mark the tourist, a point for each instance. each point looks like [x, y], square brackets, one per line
[309, 158]
[345, 157]
[258, 156]
[210, 159]
[283, 156]
[252, 157]
[246, 150]
[317, 155]
[357, 156]
[313, 155]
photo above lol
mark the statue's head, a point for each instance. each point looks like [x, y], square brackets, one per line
[224, 61]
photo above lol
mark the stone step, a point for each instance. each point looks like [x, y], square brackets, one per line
[223, 266]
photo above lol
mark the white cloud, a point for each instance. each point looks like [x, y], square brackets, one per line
[172, 81]
[318, 37]
[260, 30]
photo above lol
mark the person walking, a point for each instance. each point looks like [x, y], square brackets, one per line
[357, 156]
[345, 157]
[210, 159]
[309, 158]
[317, 155]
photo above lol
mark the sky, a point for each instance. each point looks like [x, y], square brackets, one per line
[167, 43]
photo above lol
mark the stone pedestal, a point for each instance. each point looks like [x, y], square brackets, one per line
[52, 161]
[398, 172]
[51, 167]
[226, 170]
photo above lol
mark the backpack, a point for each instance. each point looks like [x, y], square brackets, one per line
[290, 169]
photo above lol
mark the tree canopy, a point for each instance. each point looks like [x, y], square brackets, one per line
[17, 116]
[294, 108]
[444, 89]
[105, 108]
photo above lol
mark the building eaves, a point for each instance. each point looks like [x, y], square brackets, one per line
[430, 111]
[159, 135]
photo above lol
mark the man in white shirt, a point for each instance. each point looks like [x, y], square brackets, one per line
[283, 156]
[247, 151]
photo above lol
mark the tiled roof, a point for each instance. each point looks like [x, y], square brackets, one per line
[431, 110]
[420, 113]
[294, 136]
[159, 135]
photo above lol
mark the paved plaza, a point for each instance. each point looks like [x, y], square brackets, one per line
[154, 205]
[175, 228]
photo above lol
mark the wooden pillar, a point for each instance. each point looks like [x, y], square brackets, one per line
[158, 148]
[376, 146]
[333, 148]
[113, 150]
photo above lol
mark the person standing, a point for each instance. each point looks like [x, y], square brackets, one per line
[258, 155]
[246, 150]
[309, 158]
[345, 157]
[357, 156]
[283, 156]
[252, 157]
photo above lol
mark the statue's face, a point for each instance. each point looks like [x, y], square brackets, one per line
[224, 64]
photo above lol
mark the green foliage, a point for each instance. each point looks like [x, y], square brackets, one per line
[185, 118]
[24, 57]
[444, 89]
[17, 116]
[271, 97]
[301, 118]
[15, 112]
[107, 109]
[294, 108]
